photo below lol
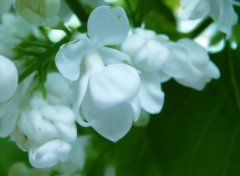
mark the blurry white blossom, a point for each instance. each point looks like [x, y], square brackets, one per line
[106, 87]
[37, 11]
[193, 9]
[12, 31]
[221, 11]
[64, 11]
[5, 6]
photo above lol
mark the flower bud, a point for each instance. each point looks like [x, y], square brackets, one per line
[37, 11]
[49, 154]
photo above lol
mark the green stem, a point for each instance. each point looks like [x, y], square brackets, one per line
[27, 52]
[45, 57]
[78, 9]
[62, 26]
[35, 43]
[131, 13]
[140, 13]
[201, 27]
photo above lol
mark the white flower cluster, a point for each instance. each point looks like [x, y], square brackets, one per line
[158, 59]
[112, 86]
[106, 77]
[221, 11]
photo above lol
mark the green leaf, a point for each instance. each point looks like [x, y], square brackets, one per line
[133, 156]
[198, 133]
[10, 154]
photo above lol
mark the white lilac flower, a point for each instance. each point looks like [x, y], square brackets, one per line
[8, 78]
[221, 11]
[65, 12]
[193, 9]
[59, 89]
[37, 11]
[12, 31]
[148, 55]
[5, 6]
[189, 64]
[46, 131]
[10, 109]
[107, 88]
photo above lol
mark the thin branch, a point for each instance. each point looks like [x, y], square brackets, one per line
[201, 27]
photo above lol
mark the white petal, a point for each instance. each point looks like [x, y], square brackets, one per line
[198, 79]
[151, 94]
[67, 132]
[8, 119]
[203, 70]
[194, 9]
[111, 56]
[212, 71]
[133, 44]
[197, 54]
[70, 56]
[30, 124]
[163, 77]
[108, 25]
[178, 63]
[56, 83]
[48, 160]
[115, 84]
[135, 103]
[5, 6]
[197, 83]
[156, 55]
[49, 154]
[58, 113]
[59, 89]
[81, 89]
[223, 14]
[8, 79]
[113, 122]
